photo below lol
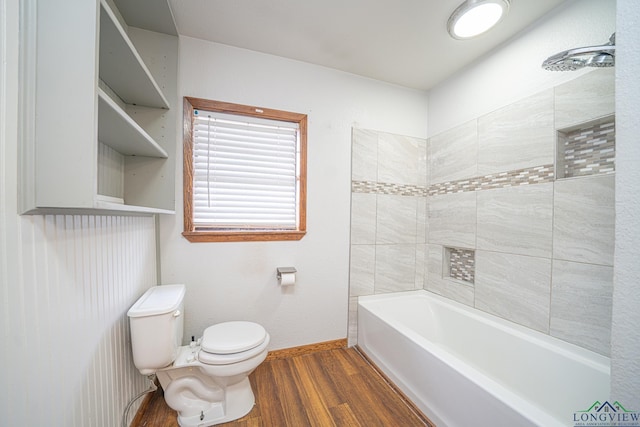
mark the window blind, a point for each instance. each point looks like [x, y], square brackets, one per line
[246, 172]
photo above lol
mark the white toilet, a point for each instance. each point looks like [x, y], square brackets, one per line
[206, 382]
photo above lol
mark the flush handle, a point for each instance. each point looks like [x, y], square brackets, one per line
[177, 313]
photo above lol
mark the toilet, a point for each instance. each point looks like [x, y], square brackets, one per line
[207, 381]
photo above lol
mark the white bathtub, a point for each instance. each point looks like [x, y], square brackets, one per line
[463, 367]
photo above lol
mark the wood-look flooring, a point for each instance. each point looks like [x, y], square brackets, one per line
[326, 388]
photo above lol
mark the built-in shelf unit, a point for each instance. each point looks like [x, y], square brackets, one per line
[98, 107]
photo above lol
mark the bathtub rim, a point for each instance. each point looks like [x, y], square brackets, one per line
[589, 357]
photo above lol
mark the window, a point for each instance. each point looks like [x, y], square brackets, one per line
[244, 172]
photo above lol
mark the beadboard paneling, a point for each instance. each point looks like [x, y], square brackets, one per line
[69, 283]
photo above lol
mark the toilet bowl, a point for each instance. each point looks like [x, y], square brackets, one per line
[207, 381]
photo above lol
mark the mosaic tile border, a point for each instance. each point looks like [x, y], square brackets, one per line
[514, 178]
[388, 188]
[462, 264]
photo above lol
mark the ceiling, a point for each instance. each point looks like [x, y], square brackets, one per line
[404, 42]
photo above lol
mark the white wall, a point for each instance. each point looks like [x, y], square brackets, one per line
[625, 339]
[228, 281]
[513, 71]
[66, 282]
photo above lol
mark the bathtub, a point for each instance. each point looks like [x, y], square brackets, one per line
[462, 367]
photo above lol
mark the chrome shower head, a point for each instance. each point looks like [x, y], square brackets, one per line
[603, 59]
[563, 62]
[592, 56]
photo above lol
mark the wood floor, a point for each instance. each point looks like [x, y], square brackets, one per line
[325, 388]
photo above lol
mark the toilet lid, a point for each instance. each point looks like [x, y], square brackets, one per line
[227, 359]
[232, 337]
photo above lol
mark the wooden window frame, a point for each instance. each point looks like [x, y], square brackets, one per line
[194, 235]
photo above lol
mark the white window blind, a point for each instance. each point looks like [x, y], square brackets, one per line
[246, 172]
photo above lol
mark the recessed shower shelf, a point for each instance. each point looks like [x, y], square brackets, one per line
[586, 149]
[459, 264]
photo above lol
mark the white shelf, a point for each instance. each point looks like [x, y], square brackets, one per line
[118, 130]
[150, 15]
[121, 66]
[109, 199]
[113, 204]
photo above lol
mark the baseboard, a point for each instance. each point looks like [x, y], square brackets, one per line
[286, 353]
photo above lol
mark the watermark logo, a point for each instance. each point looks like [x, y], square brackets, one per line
[605, 414]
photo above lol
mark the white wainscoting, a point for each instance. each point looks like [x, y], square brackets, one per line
[66, 287]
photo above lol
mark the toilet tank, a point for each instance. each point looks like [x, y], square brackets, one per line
[156, 322]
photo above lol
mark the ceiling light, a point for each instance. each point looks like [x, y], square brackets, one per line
[474, 17]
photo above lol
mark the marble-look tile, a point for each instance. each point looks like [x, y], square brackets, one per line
[435, 282]
[517, 136]
[422, 222]
[423, 162]
[585, 98]
[421, 267]
[362, 270]
[452, 220]
[435, 259]
[517, 220]
[352, 332]
[363, 218]
[398, 158]
[453, 154]
[584, 218]
[454, 290]
[396, 219]
[581, 298]
[395, 268]
[364, 155]
[514, 287]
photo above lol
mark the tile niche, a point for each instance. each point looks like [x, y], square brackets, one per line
[460, 264]
[586, 149]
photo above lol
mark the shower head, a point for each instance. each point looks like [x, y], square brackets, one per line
[602, 59]
[562, 62]
[591, 56]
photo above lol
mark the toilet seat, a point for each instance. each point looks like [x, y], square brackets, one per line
[232, 342]
[227, 359]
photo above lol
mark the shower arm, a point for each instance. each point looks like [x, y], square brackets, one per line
[579, 51]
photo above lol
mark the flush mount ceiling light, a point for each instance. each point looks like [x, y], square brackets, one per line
[474, 17]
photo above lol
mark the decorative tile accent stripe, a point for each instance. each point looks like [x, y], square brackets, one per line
[514, 178]
[388, 188]
[462, 264]
[589, 150]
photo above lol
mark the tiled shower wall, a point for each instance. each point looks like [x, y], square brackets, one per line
[543, 246]
[388, 209]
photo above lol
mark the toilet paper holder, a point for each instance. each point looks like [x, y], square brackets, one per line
[284, 270]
